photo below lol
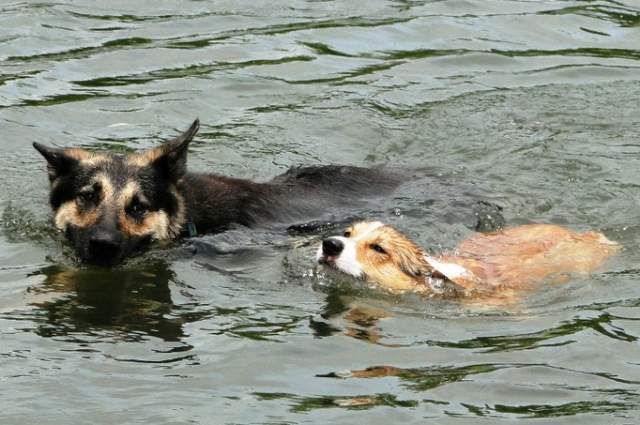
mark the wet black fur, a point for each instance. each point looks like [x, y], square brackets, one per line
[213, 202]
[70, 178]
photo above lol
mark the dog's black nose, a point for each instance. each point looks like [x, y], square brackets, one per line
[104, 248]
[332, 246]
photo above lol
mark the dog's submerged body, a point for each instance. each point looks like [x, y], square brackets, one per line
[111, 205]
[506, 261]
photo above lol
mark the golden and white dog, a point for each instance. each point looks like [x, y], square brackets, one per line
[493, 264]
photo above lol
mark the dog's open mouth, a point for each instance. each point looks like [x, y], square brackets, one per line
[328, 260]
[330, 265]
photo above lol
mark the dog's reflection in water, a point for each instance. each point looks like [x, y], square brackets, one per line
[132, 303]
[351, 315]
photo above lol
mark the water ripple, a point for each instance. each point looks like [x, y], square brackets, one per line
[531, 105]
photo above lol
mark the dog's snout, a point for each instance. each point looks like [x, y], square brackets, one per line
[332, 246]
[104, 247]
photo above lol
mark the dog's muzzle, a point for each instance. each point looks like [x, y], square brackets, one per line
[339, 253]
[332, 247]
[329, 251]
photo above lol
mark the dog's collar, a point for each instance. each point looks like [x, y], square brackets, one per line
[191, 229]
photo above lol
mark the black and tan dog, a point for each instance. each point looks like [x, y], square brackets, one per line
[111, 205]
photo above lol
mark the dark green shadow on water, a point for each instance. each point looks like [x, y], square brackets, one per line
[186, 71]
[132, 303]
[601, 324]
[553, 411]
[83, 52]
[623, 16]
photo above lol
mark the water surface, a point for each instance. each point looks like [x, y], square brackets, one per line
[530, 104]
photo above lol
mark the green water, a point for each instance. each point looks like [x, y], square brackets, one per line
[533, 105]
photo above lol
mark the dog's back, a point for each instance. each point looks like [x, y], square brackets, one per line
[215, 202]
[519, 257]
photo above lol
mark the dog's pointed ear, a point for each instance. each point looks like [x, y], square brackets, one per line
[171, 157]
[59, 161]
[182, 141]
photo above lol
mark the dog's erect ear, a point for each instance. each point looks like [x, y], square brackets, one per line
[59, 161]
[171, 157]
[181, 142]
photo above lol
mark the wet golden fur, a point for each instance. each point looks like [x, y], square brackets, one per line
[509, 260]
[403, 262]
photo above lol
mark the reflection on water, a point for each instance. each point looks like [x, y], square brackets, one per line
[304, 404]
[601, 324]
[128, 304]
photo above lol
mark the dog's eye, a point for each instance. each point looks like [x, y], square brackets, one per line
[378, 248]
[347, 234]
[88, 196]
[137, 209]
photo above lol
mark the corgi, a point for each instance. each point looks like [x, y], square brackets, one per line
[505, 261]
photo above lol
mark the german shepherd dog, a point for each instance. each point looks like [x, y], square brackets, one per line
[111, 205]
